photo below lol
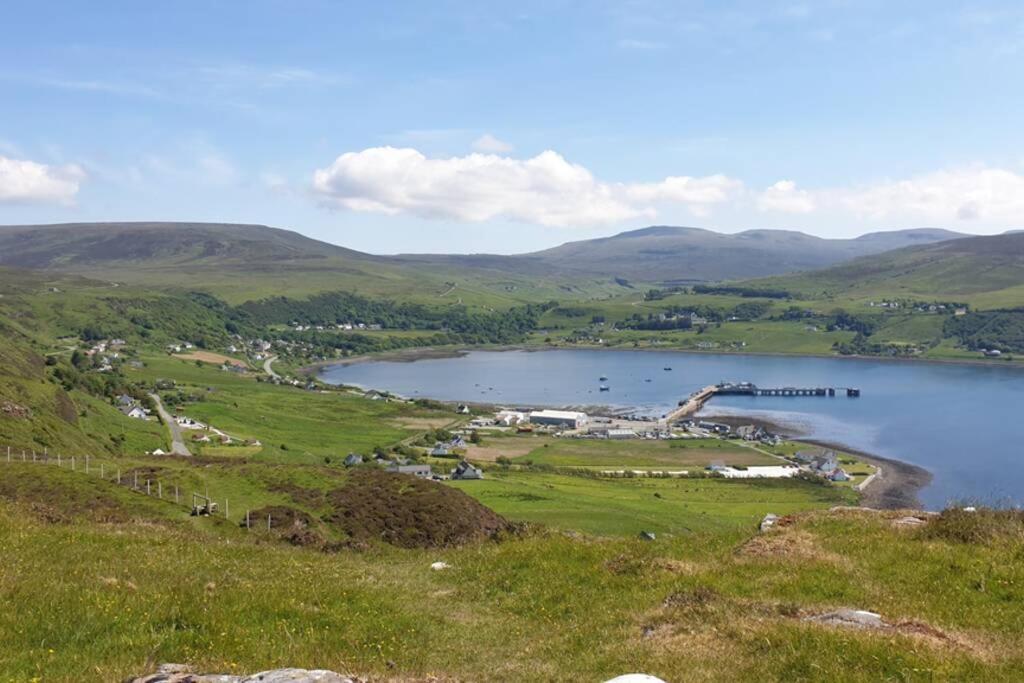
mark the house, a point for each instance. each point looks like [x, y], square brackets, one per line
[201, 438]
[620, 434]
[839, 474]
[559, 418]
[439, 450]
[697, 320]
[510, 418]
[464, 470]
[748, 432]
[420, 471]
[253, 442]
[353, 459]
[456, 442]
[462, 410]
[134, 412]
[125, 400]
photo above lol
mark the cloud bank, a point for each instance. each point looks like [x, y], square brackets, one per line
[545, 189]
[29, 182]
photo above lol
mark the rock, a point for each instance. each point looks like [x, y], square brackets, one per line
[180, 673]
[635, 678]
[647, 536]
[296, 676]
[909, 521]
[768, 522]
[851, 618]
[438, 566]
[970, 508]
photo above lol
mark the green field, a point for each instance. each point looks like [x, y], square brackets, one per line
[642, 454]
[628, 506]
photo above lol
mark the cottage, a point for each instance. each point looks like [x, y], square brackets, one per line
[839, 474]
[748, 432]
[464, 470]
[419, 471]
[439, 450]
[510, 418]
[125, 400]
[134, 411]
[462, 410]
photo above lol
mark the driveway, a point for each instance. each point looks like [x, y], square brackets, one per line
[178, 446]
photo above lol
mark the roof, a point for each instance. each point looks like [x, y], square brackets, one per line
[559, 414]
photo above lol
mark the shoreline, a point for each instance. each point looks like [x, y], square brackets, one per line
[895, 487]
[411, 355]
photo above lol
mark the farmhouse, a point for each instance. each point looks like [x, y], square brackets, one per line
[558, 418]
[134, 411]
[464, 470]
[421, 471]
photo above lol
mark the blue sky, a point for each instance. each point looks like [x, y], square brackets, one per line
[464, 126]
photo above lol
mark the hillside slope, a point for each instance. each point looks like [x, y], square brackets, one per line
[987, 271]
[666, 254]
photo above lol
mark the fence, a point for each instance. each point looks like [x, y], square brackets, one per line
[168, 490]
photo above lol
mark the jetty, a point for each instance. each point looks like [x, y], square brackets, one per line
[695, 401]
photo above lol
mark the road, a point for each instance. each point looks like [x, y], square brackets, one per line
[178, 446]
[268, 367]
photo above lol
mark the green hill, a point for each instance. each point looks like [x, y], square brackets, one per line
[985, 271]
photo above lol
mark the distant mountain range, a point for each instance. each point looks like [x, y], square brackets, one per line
[659, 254]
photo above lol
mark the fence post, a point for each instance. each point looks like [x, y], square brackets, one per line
[118, 476]
[58, 460]
[101, 471]
[72, 463]
[147, 487]
[87, 464]
[268, 522]
[159, 489]
[33, 455]
[247, 519]
[23, 455]
[175, 493]
[135, 485]
[225, 508]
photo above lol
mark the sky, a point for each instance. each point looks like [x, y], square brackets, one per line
[398, 127]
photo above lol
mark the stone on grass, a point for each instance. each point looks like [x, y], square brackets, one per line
[850, 618]
[768, 522]
[438, 566]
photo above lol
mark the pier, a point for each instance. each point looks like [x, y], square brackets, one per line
[697, 399]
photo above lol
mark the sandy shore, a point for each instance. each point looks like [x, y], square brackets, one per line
[895, 487]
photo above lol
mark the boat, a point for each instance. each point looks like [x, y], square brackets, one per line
[604, 387]
[668, 369]
[603, 378]
[647, 380]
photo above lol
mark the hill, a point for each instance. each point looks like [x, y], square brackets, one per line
[986, 271]
[665, 254]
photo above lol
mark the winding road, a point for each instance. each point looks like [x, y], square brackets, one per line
[268, 367]
[178, 446]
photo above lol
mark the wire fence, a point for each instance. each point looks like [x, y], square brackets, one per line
[137, 479]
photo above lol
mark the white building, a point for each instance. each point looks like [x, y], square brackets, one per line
[510, 418]
[557, 418]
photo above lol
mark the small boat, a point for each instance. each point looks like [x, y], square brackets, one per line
[647, 380]
[604, 387]
[668, 369]
[603, 378]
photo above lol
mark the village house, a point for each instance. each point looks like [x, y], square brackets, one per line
[419, 471]
[464, 470]
[439, 450]
[134, 411]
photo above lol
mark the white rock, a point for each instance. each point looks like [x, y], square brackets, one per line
[635, 678]
[438, 566]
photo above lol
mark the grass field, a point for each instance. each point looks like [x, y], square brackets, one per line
[640, 454]
[310, 425]
[628, 506]
[713, 603]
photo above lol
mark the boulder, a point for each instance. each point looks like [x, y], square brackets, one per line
[180, 673]
[850, 618]
[768, 522]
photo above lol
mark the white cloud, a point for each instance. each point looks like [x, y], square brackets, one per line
[545, 189]
[489, 144]
[785, 197]
[23, 181]
[992, 195]
[217, 170]
[974, 192]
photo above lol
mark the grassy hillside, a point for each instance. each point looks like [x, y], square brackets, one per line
[985, 271]
[249, 262]
[150, 585]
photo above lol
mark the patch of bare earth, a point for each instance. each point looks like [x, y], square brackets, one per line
[788, 544]
[489, 452]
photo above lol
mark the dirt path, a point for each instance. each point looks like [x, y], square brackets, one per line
[268, 367]
[178, 446]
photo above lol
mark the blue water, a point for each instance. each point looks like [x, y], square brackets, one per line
[964, 423]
